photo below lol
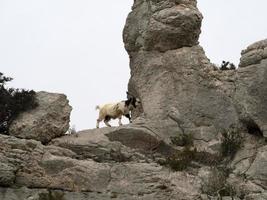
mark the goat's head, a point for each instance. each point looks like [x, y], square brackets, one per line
[132, 100]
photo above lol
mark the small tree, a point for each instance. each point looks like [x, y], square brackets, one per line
[13, 102]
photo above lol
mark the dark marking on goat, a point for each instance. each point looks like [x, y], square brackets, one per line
[107, 118]
[131, 101]
[128, 102]
[134, 102]
[128, 116]
[116, 107]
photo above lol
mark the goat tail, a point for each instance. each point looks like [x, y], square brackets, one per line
[97, 107]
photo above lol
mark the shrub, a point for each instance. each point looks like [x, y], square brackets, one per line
[207, 158]
[231, 143]
[182, 140]
[13, 102]
[181, 159]
[214, 182]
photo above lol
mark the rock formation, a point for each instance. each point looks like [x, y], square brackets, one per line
[49, 120]
[178, 145]
[251, 90]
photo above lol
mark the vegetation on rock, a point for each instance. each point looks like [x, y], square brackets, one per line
[182, 140]
[13, 102]
[216, 184]
[231, 143]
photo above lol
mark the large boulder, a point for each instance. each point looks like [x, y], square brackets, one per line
[49, 120]
[162, 25]
[251, 91]
[254, 54]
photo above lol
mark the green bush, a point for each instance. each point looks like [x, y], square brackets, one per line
[13, 102]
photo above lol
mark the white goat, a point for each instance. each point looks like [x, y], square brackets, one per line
[117, 110]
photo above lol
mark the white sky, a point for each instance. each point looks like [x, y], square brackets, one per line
[76, 48]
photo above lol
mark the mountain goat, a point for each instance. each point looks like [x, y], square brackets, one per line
[227, 65]
[117, 110]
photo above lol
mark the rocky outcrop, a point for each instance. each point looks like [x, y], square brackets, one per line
[162, 25]
[46, 169]
[89, 165]
[182, 93]
[178, 80]
[251, 91]
[49, 120]
[172, 74]
[254, 54]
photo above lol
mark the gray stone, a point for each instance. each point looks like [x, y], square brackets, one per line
[55, 168]
[246, 154]
[7, 173]
[162, 26]
[49, 120]
[253, 54]
[251, 96]
[258, 169]
[243, 187]
[174, 79]
[261, 196]
[94, 144]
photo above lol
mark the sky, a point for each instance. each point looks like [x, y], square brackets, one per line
[76, 47]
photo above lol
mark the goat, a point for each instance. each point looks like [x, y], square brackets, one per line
[224, 66]
[117, 110]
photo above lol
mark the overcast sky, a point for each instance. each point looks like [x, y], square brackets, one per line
[76, 48]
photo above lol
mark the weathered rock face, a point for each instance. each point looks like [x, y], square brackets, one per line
[248, 177]
[251, 93]
[162, 25]
[47, 169]
[172, 74]
[49, 120]
[177, 79]
[254, 54]
[181, 92]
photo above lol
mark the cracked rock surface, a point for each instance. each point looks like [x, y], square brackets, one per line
[49, 120]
